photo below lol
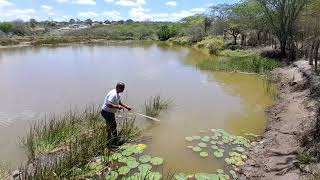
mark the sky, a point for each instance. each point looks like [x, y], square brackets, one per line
[138, 10]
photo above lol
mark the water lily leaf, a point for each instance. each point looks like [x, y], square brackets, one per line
[213, 142]
[205, 176]
[132, 164]
[156, 161]
[218, 154]
[180, 176]
[196, 149]
[220, 171]
[196, 137]
[204, 154]
[203, 145]
[189, 139]
[220, 150]
[239, 163]
[233, 174]
[154, 176]
[145, 167]
[215, 137]
[228, 161]
[240, 149]
[145, 158]
[127, 152]
[214, 147]
[123, 170]
[244, 156]
[189, 147]
[112, 175]
[205, 139]
[220, 143]
[223, 177]
[116, 156]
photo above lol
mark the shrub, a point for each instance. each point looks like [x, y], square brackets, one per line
[196, 33]
[213, 44]
[6, 27]
[182, 41]
[166, 33]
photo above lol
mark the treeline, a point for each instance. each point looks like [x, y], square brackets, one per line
[290, 26]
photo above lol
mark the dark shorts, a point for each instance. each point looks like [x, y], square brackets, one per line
[108, 116]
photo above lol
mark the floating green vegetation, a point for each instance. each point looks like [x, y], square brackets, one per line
[223, 145]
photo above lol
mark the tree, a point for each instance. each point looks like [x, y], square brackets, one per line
[72, 21]
[129, 21]
[282, 17]
[6, 27]
[107, 22]
[33, 23]
[166, 33]
[88, 22]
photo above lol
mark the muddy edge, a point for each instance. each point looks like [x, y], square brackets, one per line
[290, 121]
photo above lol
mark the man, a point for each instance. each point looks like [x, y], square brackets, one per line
[111, 104]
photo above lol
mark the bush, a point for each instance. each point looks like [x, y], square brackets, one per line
[213, 44]
[6, 27]
[166, 33]
[196, 33]
[182, 41]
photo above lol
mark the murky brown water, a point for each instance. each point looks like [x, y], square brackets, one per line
[35, 81]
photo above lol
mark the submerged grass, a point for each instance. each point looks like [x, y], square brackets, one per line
[154, 105]
[4, 170]
[250, 64]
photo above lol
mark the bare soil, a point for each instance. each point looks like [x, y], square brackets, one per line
[290, 121]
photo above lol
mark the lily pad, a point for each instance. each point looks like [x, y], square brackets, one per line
[116, 156]
[213, 142]
[132, 164]
[203, 145]
[154, 176]
[214, 147]
[145, 158]
[233, 174]
[145, 167]
[205, 176]
[218, 154]
[240, 149]
[220, 171]
[204, 154]
[205, 139]
[189, 147]
[123, 170]
[196, 137]
[180, 176]
[189, 139]
[156, 161]
[196, 149]
[127, 152]
[112, 175]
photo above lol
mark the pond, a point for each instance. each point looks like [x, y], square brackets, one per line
[39, 81]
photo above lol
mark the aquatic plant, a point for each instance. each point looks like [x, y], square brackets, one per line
[154, 105]
[4, 170]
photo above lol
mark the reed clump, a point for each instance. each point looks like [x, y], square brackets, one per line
[155, 105]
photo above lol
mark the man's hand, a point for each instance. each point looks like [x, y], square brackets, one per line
[129, 108]
[120, 107]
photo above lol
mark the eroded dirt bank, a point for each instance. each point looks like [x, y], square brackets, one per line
[290, 122]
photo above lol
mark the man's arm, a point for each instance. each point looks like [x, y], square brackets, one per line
[125, 106]
[110, 105]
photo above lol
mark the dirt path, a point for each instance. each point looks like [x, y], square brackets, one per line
[291, 118]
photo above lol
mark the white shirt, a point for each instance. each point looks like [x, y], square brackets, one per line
[112, 97]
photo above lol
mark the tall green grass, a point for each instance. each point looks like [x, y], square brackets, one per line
[154, 105]
[4, 170]
[81, 136]
[250, 64]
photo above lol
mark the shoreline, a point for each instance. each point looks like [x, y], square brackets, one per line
[289, 122]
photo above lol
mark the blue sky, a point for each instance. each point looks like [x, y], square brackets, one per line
[140, 10]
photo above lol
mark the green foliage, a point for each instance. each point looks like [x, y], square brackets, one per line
[213, 44]
[236, 53]
[4, 171]
[251, 64]
[182, 41]
[154, 105]
[166, 32]
[6, 27]
[304, 158]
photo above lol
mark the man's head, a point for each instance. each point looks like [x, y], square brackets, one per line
[120, 87]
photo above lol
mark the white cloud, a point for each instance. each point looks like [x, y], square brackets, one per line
[171, 3]
[46, 8]
[131, 3]
[4, 3]
[81, 2]
[109, 1]
[111, 15]
[141, 14]
[13, 14]
[88, 14]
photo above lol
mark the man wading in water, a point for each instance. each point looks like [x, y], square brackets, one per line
[111, 104]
